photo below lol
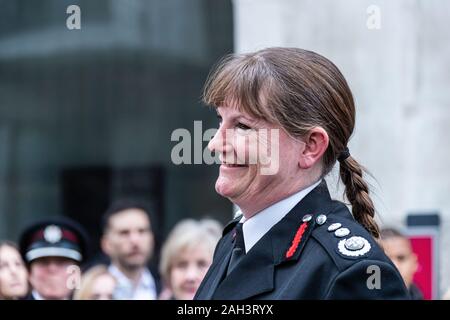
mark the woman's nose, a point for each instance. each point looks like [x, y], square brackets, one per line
[192, 273]
[219, 143]
[13, 272]
[214, 143]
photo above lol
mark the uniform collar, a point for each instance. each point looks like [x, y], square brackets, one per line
[270, 252]
[259, 224]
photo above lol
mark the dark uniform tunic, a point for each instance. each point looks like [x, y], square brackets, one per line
[317, 251]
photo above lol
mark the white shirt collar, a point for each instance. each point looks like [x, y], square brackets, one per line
[36, 295]
[258, 225]
[144, 290]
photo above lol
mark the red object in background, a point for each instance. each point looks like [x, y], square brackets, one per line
[423, 247]
[423, 231]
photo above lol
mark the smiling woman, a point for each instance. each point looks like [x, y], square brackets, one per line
[288, 214]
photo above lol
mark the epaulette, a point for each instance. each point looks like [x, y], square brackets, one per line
[345, 240]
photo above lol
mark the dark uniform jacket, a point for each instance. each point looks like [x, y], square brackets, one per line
[317, 251]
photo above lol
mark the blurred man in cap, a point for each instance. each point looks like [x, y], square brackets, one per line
[50, 248]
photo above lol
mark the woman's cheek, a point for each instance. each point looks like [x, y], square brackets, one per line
[246, 148]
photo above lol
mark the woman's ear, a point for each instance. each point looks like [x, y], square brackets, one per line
[316, 143]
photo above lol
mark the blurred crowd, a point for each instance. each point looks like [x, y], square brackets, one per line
[49, 262]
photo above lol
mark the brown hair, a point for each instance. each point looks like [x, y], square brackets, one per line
[299, 90]
[389, 233]
[7, 243]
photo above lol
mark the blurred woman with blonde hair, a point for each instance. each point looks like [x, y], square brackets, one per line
[186, 256]
[96, 284]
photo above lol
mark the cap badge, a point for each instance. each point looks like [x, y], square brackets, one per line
[52, 234]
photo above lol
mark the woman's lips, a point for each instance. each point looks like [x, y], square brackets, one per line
[15, 285]
[190, 289]
[230, 165]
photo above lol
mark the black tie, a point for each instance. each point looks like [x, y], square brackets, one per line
[238, 248]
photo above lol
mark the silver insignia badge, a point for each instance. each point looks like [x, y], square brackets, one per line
[354, 243]
[321, 219]
[354, 246]
[334, 227]
[342, 232]
[307, 218]
[52, 234]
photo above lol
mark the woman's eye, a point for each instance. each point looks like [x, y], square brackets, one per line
[181, 265]
[242, 126]
[202, 264]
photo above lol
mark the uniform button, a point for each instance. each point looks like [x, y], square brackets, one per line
[307, 218]
[342, 232]
[321, 219]
[334, 227]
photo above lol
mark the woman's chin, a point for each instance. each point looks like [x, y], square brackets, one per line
[225, 188]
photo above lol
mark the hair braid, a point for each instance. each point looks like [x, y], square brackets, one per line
[357, 192]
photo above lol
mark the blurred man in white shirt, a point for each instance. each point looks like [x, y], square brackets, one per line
[129, 242]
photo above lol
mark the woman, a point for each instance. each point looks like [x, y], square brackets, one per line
[292, 241]
[187, 255]
[13, 273]
[96, 284]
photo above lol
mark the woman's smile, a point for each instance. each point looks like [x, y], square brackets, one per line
[226, 166]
